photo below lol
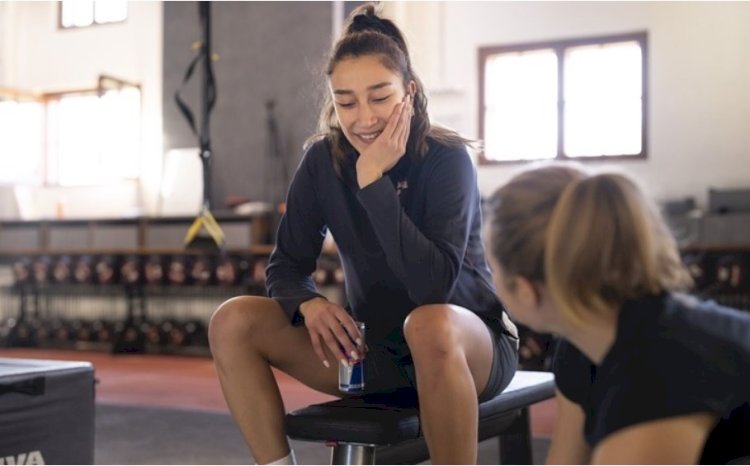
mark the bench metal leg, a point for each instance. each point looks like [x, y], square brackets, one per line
[352, 453]
[515, 444]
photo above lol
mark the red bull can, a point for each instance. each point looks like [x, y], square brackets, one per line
[352, 377]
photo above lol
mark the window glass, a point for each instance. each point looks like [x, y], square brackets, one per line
[82, 13]
[22, 144]
[521, 105]
[603, 100]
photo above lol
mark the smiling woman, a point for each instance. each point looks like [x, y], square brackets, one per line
[400, 198]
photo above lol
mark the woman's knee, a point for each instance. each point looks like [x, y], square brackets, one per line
[430, 332]
[238, 320]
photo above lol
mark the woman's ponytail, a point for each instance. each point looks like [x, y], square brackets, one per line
[606, 243]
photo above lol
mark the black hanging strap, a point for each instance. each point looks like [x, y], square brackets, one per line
[186, 112]
[208, 100]
[209, 91]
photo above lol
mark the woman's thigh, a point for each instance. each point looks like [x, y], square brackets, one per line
[488, 355]
[264, 326]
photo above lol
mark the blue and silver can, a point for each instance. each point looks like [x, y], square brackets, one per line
[352, 375]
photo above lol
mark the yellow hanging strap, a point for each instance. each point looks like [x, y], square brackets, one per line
[207, 221]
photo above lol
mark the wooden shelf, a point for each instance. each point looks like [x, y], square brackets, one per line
[727, 248]
[245, 234]
[261, 249]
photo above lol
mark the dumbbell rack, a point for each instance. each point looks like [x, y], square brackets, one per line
[162, 318]
[126, 311]
[720, 272]
[56, 309]
[120, 316]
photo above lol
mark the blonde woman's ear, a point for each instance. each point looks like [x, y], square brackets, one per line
[526, 292]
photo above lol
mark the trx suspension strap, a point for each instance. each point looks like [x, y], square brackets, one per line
[208, 99]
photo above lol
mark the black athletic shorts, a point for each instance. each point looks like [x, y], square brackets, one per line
[389, 366]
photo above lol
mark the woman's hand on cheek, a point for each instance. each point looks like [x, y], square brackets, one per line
[388, 148]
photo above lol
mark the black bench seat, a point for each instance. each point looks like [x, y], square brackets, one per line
[386, 428]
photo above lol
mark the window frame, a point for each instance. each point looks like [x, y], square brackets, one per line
[93, 23]
[559, 47]
[45, 99]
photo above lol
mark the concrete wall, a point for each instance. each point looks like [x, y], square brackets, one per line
[267, 51]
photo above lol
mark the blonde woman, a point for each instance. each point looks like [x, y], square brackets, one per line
[645, 374]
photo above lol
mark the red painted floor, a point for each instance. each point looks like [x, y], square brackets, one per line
[191, 383]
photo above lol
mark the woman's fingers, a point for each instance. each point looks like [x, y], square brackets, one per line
[345, 331]
[399, 118]
[391, 128]
[319, 319]
[355, 337]
[333, 345]
[318, 348]
[405, 125]
[402, 109]
[345, 342]
[353, 332]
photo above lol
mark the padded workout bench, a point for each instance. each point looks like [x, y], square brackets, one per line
[386, 426]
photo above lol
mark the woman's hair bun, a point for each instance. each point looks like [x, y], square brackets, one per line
[363, 18]
[366, 19]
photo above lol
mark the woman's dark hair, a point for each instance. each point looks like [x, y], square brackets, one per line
[365, 34]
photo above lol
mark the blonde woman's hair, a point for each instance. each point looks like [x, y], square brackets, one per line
[595, 240]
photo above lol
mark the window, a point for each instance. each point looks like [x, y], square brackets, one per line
[84, 137]
[82, 13]
[21, 147]
[583, 98]
[93, 138]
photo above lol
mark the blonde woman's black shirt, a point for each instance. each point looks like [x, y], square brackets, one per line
[410, 238]
[673, 355]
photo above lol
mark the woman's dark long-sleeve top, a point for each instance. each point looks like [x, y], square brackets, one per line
[410, 238]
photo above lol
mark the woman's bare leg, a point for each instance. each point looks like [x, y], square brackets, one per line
[452, 351]
[248, 335]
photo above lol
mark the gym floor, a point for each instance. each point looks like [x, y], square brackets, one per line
[184, 382]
